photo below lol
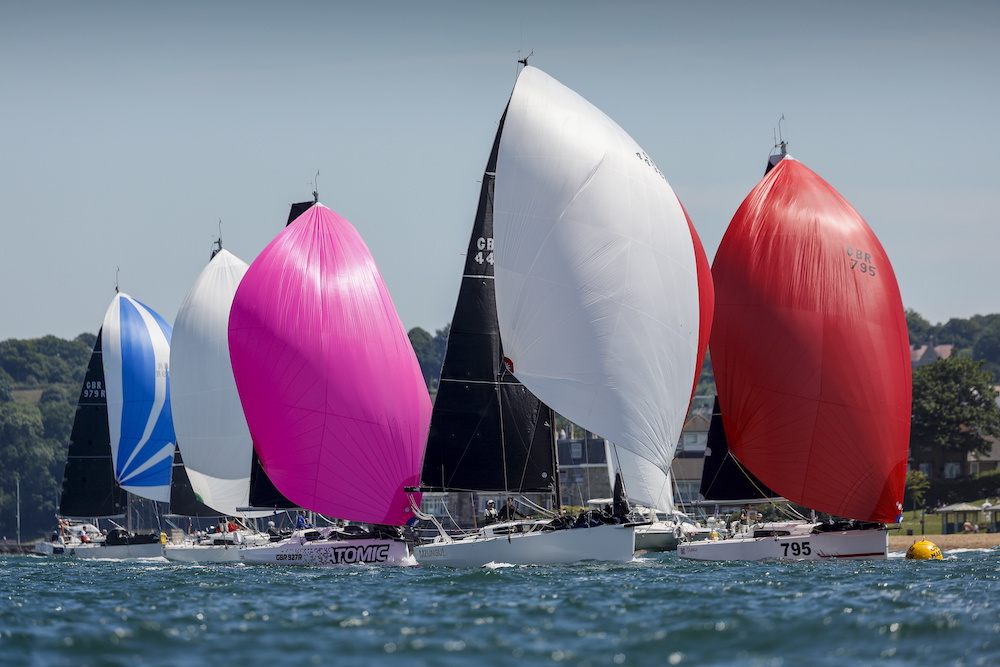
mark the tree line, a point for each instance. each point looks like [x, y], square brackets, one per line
[40, 382]
[39, 386]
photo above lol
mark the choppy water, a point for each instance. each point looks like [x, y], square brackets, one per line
[657, 610]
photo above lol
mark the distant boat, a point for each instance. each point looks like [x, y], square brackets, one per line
[598, 301]
[332, 392]
[123, 421]
[212, 432]
[811, 358]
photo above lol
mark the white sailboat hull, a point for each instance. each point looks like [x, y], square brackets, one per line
[100, 551]
[214, 549]
[656, 540]
[202, 553]
[298, 550]
[608, 542]
[667, 535]
[869, 544]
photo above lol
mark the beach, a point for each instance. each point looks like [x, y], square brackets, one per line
[945, 542]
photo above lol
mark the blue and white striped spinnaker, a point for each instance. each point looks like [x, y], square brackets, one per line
[136, 371]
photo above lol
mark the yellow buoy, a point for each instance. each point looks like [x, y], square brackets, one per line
[924, 550]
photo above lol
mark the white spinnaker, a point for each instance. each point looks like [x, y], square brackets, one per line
[646, 483]
[596, 281]
[211, 428]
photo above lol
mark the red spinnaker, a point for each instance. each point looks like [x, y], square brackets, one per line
[810, 349]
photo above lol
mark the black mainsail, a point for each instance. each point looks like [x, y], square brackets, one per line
[723, 477]
[183, 500]
[488, 432]
[89, 489]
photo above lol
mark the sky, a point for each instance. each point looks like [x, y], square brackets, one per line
[132, 133]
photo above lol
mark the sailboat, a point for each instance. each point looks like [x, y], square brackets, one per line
[650, 489]
[565, 189]
[488, 433]
[89, 491]
[212, 432]
[811, 359]
[122, 442]
[332, 392]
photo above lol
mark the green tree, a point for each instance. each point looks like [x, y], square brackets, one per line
[26, 455]
[43, 360]
[21, 361]
[706, 379]
[917, 485]
[919, 328]
[987, 348]
[960, 333]
[423, 347]
[6, 386]
[88, 339]
[57, 413]
[954, 406]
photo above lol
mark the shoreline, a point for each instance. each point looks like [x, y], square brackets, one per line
[946, 542]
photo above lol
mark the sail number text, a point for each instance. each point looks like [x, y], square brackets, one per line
[861, 261]
[649, 161]
[485, 247]
[796, 549]
[93, 389]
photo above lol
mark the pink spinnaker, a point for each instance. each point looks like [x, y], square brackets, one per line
[330, 385]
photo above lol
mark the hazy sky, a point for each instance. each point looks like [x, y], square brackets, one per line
[129, 129]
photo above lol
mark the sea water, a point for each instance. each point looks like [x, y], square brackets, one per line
[656, 610]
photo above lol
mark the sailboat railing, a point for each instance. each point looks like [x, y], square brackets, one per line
[417, 512]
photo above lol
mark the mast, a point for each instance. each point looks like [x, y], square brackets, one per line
[17, 483]
[781, 146]
[556, 487]
[487, 432]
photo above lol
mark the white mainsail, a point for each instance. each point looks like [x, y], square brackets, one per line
[211, 428]
[596, 272]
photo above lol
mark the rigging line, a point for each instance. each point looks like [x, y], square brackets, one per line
[217, 244]
[746, 474]
[676, 487]
[503, 440]
[498, 383]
